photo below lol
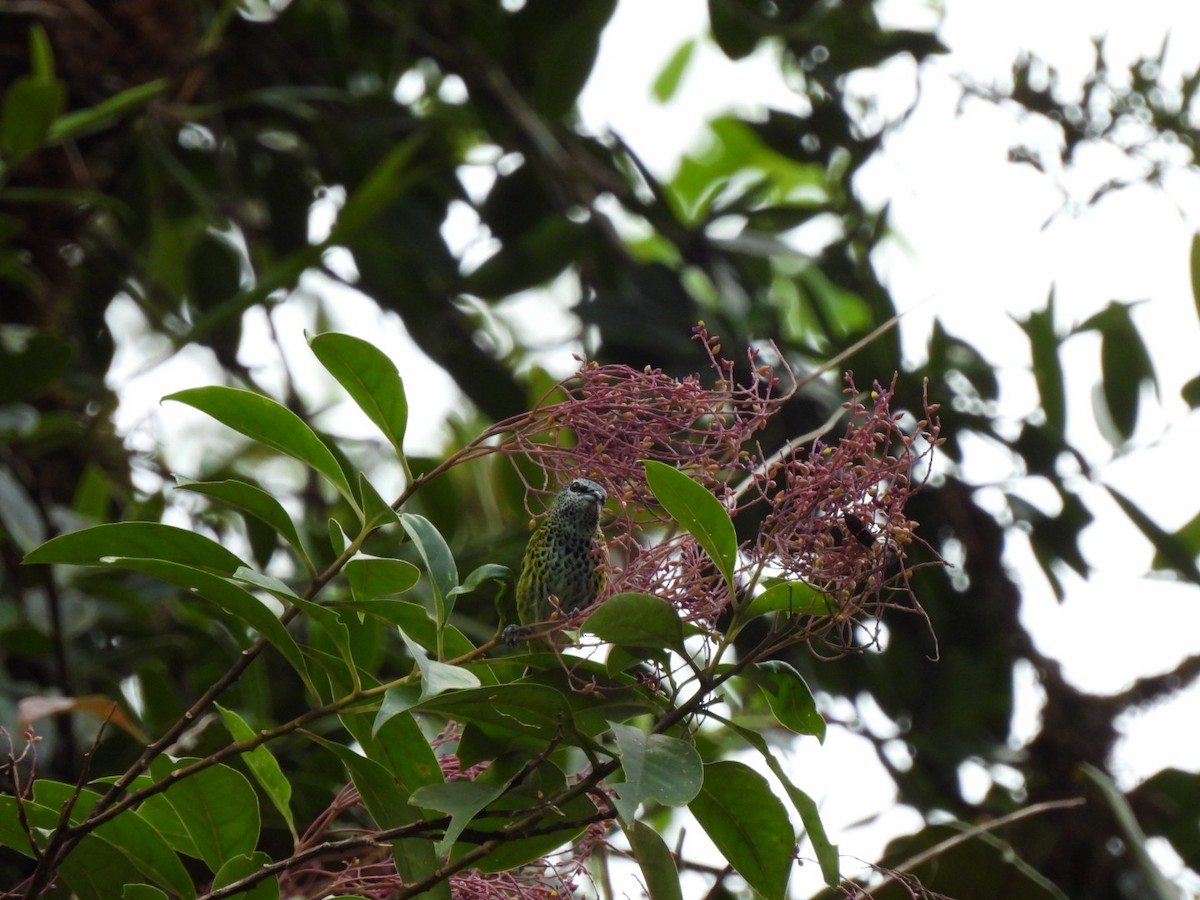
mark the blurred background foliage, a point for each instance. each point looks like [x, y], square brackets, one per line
[199, 161]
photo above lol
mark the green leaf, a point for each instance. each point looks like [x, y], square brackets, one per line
[658, 865]
[695, 508]
[387, 802]
[529, 710]
[1047, 367]
[30, 105]
[217, 806]
[790, 699]
[256, 502]
[230, 597]
[402, 748]
[730, 28]
[1135, 839]
[128, 834]
[19, 515]
[105, 113]
[1191, 392]
[92, 871]
[461, 800]
[263, 766]
[414, 619]
[372, 577]
[743, 817]
[41, 53]
[437, 677]
[827, 852]
[1125, 366]
[1195, 271]
[370, 378]
[378, 190]
[1169, 548]
[636, 620]
[332, 627]
[793, 598]
[240, 867]
[439, 562]
[486, 572]
[377, 512]
[559, 825]
[668, 80]
[90, 546]
[656, 767]
[262, 419]
[141, 892]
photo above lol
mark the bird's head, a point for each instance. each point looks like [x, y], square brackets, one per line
[579, 502]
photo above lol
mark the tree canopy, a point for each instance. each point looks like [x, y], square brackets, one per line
[265, 676]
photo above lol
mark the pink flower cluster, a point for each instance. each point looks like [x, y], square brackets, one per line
[830, 510]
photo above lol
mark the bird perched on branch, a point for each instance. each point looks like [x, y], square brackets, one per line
[564, 561]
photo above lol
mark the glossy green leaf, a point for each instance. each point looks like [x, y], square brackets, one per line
[256, 502]
[370, 378]
[387, 803]
[402, 748]
[439, 562]
[659, 873]
[461, 800]
[559, 823]
[438, 677]
[749, 825]
[636, 620]
[529, 710]
[142, 892]
[789, 697]
[240, 867]
[90, 546]
[263, 766]
[792, 598]
[332, 627]
[128, 834]
[377, 512]
[486, 572]
[262, 419]
[228, 596]
[695, 508]
[656, 767]
[92, 871]
[826, 851]
[372, 577]
[415, 620]
[217, 806]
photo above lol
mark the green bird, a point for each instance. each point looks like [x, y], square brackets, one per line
[564, 562]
